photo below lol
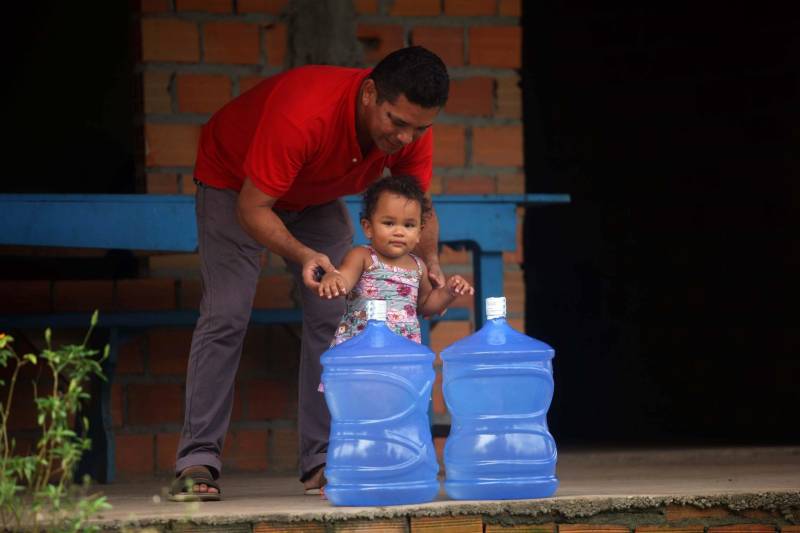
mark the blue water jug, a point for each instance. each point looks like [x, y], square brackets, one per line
[378, 386]
[498, 384]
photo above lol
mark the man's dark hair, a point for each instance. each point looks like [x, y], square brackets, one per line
[415, 72]
[406, 186]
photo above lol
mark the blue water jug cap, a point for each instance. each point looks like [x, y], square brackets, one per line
[497, 337]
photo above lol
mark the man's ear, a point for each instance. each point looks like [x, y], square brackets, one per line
[369, 93]
[366, 226]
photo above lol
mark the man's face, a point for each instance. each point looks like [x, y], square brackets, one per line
[393, 125]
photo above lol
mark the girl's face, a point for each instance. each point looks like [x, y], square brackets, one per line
[394, 228]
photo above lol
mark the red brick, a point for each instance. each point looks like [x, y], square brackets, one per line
[157, 97]
[134, 455]
[470, 8]
[379, 40]
[449, 145]
[170, 40]
[248, 82]
[790, 529]
[742, 528]
[274, 7]
[509, 98]
[397, 525]
[446, 333]
[511, 8]
[521, 528]
[446, 41]
[495, 46]
[699, 528]
[200, 93]
[517, 256]
[171, 144]
[169, 350]
[162, 183]
[245, 449]
[155, 403]
[231, 42]
[190, 294]
[514, 290]
[591, 528]
[205, 6]
[294, 527]
[274, 292]
[154, 6]
[415, 8]
[497, 145]
[470, 185]
[24, 297]
[364, 7]
[675, 513]
[130, 356]
[284, 450]
[166, 449]
[145, 294]
[265, 399]
[511, 184]
[275, 43]
[438, 397]
[117, 405]
[84, 295]
[188, 186]
[588, 528]
[448, 524]
[436, 186]
[471, 96]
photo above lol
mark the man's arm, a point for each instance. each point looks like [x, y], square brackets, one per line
[254, 209]
[428, 248]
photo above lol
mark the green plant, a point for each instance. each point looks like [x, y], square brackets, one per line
[36, 490]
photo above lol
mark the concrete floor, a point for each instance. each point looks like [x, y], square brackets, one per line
[591, 483]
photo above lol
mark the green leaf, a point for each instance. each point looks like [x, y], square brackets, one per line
[94, 318]
[30, 357]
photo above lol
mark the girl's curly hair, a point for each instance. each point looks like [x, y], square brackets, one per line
[406, 186]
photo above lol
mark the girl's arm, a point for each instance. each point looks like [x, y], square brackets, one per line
[342, 281]
[435, 301]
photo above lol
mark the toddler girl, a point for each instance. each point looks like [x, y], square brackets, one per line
[394, 211]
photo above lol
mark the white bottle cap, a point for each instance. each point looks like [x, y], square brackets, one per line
[495, 308]
[376, 310]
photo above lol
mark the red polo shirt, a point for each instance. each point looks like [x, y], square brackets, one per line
[294, 136]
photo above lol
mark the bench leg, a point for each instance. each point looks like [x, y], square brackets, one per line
[488, 267]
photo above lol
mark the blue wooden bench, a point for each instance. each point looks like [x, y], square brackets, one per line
[486, 225]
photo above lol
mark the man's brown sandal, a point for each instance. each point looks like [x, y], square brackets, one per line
[316, 482]
[182, 488]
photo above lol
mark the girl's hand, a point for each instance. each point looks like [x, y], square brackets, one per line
[332, 285]
[459, 286]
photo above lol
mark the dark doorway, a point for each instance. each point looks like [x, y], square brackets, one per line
[669, 286]
[70, 98]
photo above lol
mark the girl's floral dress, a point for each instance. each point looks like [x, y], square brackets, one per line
[398, 286]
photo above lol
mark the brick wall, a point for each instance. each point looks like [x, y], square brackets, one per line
[195, 56]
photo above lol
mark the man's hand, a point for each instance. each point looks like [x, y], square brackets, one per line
[435, 274]
[310, 266]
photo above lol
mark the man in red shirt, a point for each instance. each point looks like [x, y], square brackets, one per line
[271, 168]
